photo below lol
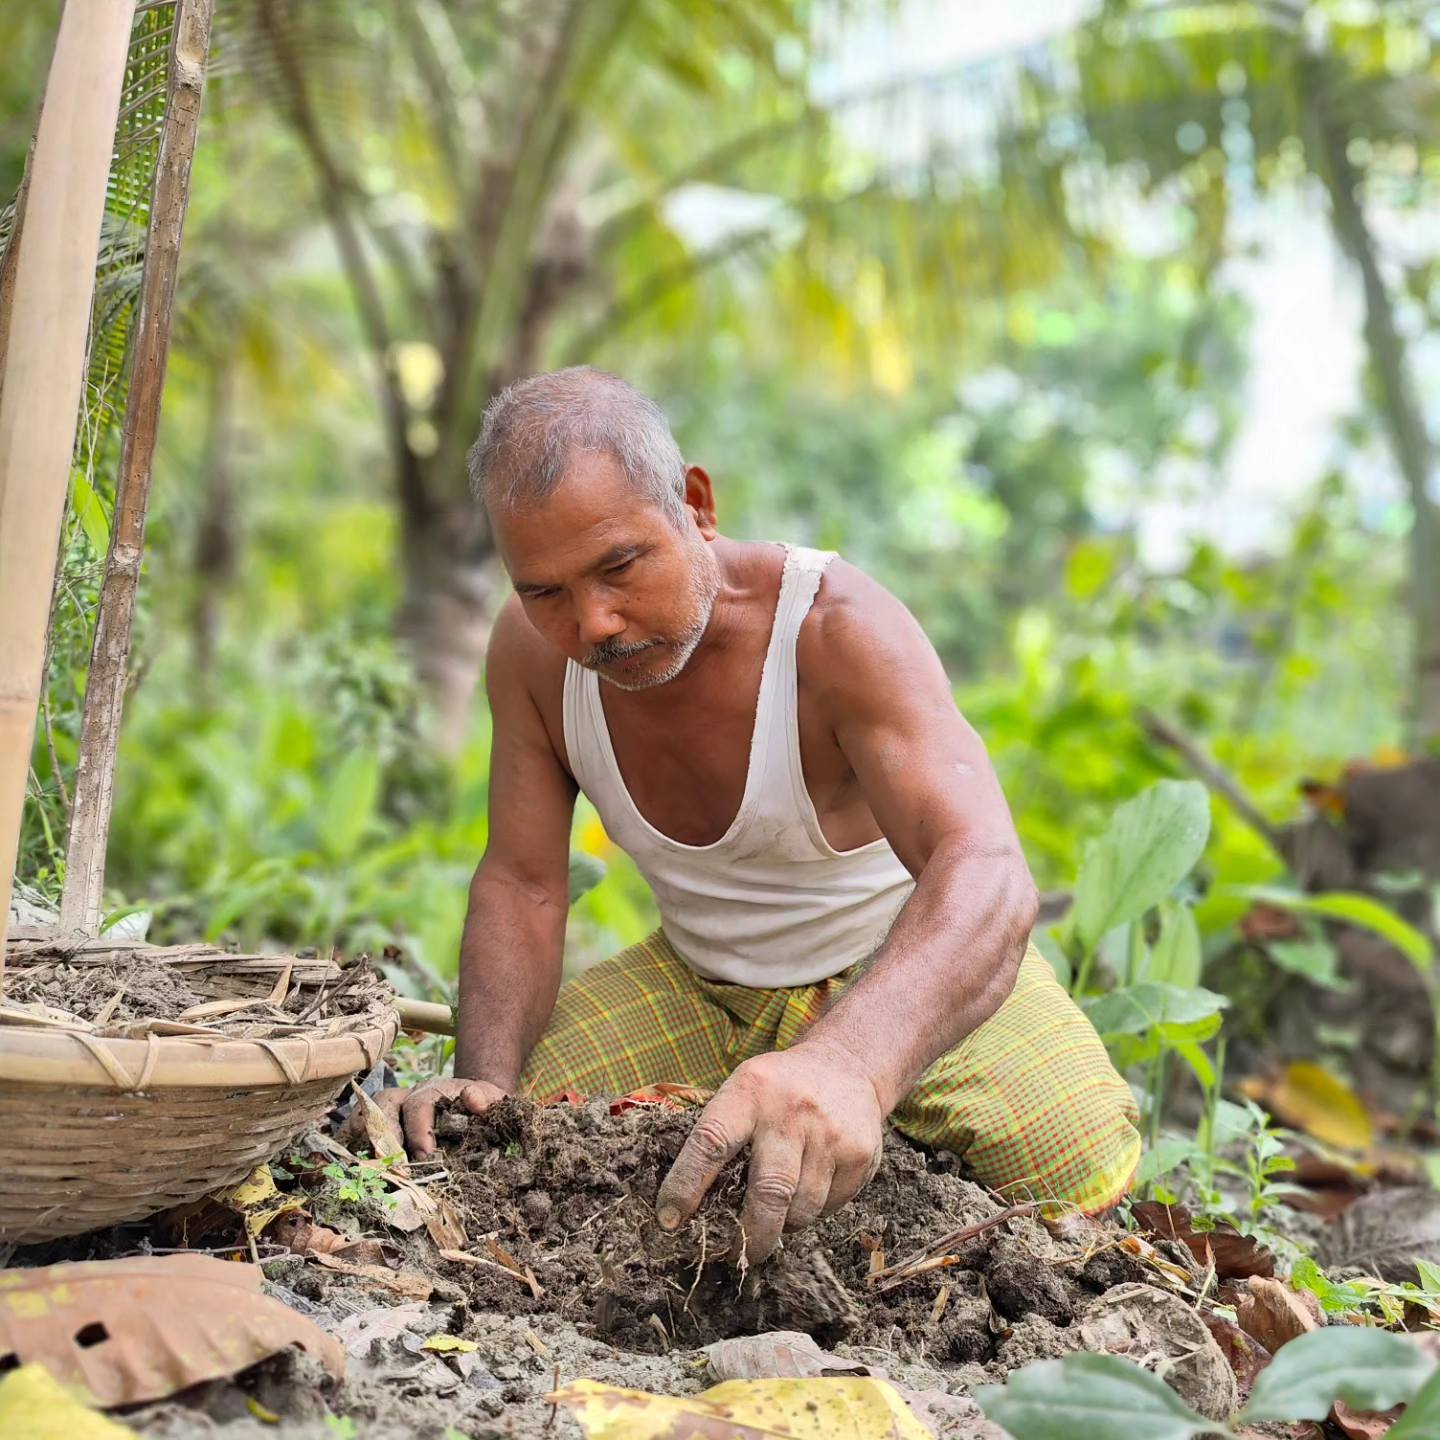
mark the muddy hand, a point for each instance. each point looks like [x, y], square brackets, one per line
[815, 1127]
[414, 1110]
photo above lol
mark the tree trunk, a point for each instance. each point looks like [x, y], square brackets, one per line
[444, 620]
[1404, 423]
[80, 902]
[44, 364]
[216, 553]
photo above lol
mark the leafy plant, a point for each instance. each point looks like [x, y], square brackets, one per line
[1097, 1397]
[361, 1184]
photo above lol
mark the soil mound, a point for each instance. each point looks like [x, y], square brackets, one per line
[569, 1192]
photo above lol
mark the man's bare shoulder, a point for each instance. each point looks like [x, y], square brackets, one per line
[519, 657]
[857, 629]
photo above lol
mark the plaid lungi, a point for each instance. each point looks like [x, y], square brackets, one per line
[1029, 1099]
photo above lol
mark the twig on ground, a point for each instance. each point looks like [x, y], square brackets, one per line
[940, 1253]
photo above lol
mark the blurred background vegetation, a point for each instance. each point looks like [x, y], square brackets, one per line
[1098, 332]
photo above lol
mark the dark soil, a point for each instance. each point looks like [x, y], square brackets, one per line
[570, 1192]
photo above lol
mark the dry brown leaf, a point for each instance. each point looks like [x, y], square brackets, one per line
[1274, 1314]
[1364, 1424]
[407, 1283]
[1246, 1355]
[149, 1326]
[384, 1137]
[445, 1227]
[779, 1354]
[358, 1332]
[1234, 1255]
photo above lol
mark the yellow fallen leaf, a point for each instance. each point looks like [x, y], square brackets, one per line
[444, 1343]
[1311, 1099]
[257, 1187]
[34, 1404]
[266, 1417]
[844, 1408]
[257, 1199]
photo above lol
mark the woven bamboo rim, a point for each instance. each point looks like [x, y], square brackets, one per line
[48, 1052]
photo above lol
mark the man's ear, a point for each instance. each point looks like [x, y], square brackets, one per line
[700, 500]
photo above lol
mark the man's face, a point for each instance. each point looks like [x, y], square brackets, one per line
[608, 579]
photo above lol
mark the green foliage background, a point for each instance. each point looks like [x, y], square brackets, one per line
[952, 380]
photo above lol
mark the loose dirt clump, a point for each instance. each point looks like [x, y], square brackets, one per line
[569, 1193]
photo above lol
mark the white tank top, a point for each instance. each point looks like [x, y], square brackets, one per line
[771, 903]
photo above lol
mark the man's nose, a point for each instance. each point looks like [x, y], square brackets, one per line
[597, 622]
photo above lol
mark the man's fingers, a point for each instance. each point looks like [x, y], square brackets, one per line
[776, 1164]
[477, 1099]
[848, 1181]
[720, 1133]
[417, 1118]
[812, 1192]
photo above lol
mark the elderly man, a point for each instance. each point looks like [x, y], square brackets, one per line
[845, 910]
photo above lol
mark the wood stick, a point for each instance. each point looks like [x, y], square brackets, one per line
[921, 1260]
[54, 281]
[1163, 733]
[425, 1015]
[81, 899]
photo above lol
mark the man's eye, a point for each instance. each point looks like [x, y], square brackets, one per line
[622, 567]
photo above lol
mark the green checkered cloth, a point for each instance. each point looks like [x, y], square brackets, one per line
[1029, 1099]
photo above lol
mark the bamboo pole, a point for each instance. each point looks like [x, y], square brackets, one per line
[44, 363]
[82, 897]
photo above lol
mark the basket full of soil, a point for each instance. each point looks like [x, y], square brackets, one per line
[136, 1077]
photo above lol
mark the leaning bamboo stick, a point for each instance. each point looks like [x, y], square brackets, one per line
[82, 897]
[44, 359]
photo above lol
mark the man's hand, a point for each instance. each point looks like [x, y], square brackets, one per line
[414, 1110]
[815, 1126]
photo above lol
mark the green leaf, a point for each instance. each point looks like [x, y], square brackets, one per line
[1429, 1275]
[1164, 1156]
[1369, 1369]
[90, 512]
[349, 803]
[1351, 909]
[1175, 957]
[1137, 1008]
[1151, 843]
[1421, 1420]
[1316, 960]
[1046, 943]
[586, 872]
[1090, 1397]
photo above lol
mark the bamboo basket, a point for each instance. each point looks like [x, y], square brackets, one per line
[105, 1123]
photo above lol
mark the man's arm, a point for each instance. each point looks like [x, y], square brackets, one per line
[952, 955]
[514, 937]
[814, 1113]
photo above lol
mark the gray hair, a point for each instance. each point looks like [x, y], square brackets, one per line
[534, 428]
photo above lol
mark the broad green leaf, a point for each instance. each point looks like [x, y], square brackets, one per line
[90, 512]
[1163, 1156]
[1421, 1420]
[1175, 957]
[586, 872]
[1316, 960]
[1429, 1274]
[1151, 843]
[1090, 1397]
[349, 802]
[1138, 1008]
[1046, 943]
[1369, 1369]
[1350, 909]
